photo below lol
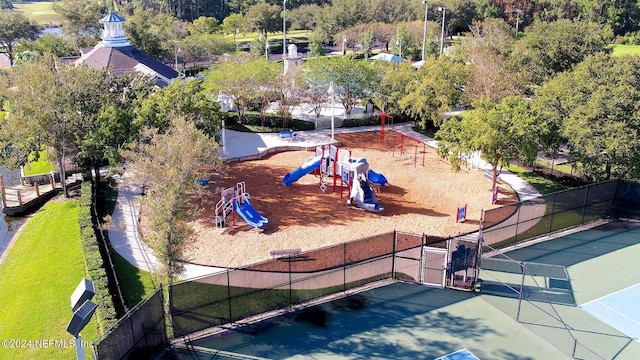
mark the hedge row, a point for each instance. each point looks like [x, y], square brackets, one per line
[253, 122]
[95, 266]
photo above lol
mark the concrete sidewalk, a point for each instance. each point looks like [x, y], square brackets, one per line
[125, 238]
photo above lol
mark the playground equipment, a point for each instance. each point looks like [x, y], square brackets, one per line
[383, 117]
[415, 154]
[461, 215]
[361, 193]
[336, 162]
[235, 200]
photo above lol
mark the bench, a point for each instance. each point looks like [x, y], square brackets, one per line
[284, 252]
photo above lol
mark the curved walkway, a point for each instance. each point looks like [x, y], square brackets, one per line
[124, 234]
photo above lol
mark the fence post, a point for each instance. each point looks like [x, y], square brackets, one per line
[37, 189]
[290, 286]
[19, 198]
[584, 204]
[393, 257]
[615, 198]
[344, 267]
[553, 209]
[515, 238]
[4, 196]
[229, 294]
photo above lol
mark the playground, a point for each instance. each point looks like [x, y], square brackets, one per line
[422, 195]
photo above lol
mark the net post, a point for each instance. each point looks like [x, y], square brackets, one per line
[523, 267]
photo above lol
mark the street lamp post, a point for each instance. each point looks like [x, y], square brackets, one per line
[236, 38]
[424, 34]
[176, 58]
[333, 111]
[444, 11]
[517, 11]
[284, 29]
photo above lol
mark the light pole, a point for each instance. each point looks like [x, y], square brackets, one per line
[236, 38]
[399, 45]
[424, 34]
[284, 29]
[444, 11]
[82, 308]
[177, 51]
[517, 11]
[333, 110]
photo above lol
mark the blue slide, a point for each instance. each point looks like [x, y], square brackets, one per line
[308, 166]
[249, 214]
[376, 178]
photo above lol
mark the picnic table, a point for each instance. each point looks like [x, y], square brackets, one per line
[287, 134]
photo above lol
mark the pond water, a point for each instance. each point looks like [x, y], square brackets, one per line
[8, 224]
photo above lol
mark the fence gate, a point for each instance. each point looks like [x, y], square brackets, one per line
[434, 265]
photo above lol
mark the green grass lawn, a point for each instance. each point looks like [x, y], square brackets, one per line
[39, 12]
[626, 49]
[136, 284]
[42, 166]
[36, 281]
[543, 185]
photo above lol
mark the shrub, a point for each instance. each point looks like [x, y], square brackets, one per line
[95, 266]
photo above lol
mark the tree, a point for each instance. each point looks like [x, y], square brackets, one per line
[205, 25]
[15, 27]
[264, 18]
[316, 46]
[393, 86]
[168, 165]
[233, 23]
[153, 33]
[178, 99]
[341, 15]
[40, 112]
[203, 47]
[291, 92]
[435, 89]
[303, 17]
[503, 133]
[551, 48]
[235, 78]
[81, 17]
[487, 49]
[352, 80]
[56, 46]
[596, 106]
[105, 133]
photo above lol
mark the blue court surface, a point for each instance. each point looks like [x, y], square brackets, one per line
[463, 354]
[619, 310]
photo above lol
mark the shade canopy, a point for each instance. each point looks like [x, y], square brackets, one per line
[388, 57]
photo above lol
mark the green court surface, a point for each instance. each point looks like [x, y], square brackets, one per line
[410, 321]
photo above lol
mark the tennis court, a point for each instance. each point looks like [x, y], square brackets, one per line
[554, 311]
[619, 310]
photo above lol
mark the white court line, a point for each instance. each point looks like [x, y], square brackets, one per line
[613, 293]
